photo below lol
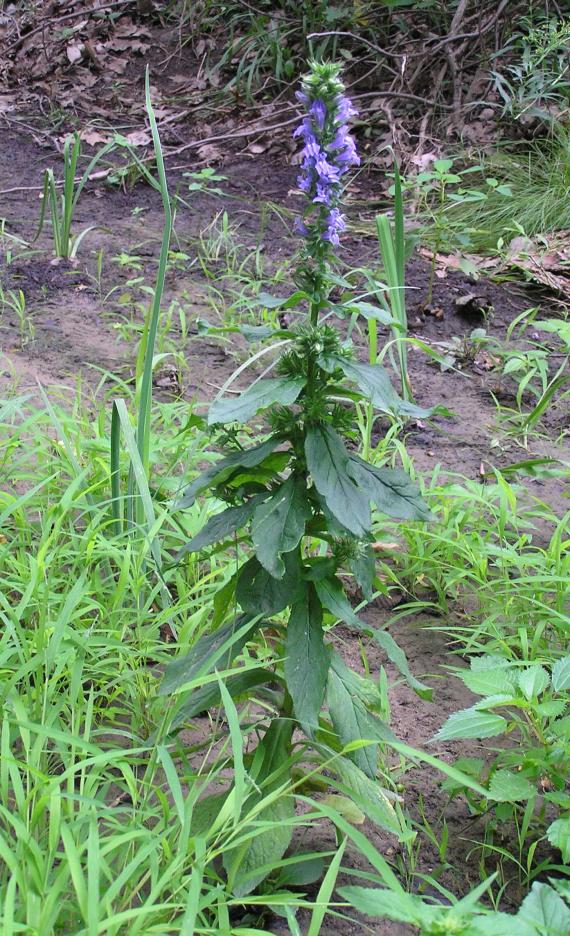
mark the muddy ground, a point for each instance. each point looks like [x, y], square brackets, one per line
[75, 337]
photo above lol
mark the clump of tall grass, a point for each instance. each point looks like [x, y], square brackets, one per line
[539, 203]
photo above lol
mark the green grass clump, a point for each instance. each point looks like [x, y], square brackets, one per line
[539, 203]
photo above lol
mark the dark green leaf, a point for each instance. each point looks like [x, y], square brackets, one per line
[307, 869]
[275, 302]
[393, 492]
[333, 598]
[366, 792]
[211, 650]
[363, 567]
[264, 393]
[279, 523]
[220, 526]
[327, 460]
[375, 384]
[223, 469]
[261, 332]
[350, 718]
[258, 592]
[206, 698]
[319, 568]
[306, 660]
[271, 769]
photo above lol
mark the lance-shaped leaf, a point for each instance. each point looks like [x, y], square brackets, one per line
[279, 523]
[276, 302]
[264, 393]
[205, 698]
[393, 492]
[374, 382]
[258, 592]
[333, 598]
[376, 803]
[363, 567]
[351, 720]
[328, 462]
[306, 659]
[271, 809]
[471, 723]
[223, 469]
[211, 650]
[220, 526]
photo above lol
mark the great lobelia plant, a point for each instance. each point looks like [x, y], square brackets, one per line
[299, 501]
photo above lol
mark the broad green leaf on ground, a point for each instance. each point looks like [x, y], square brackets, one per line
[533, 681]
[545, 909]
[351, 719]
[376, 803]
[307, 659]
[508, 787]
[264, 393]
[393, 492]
[327, 461]
[223, 469]
[561, 674]
[204, 699]
[375, 384]
[333, 598]
[211, 650]
[258, 592]
[220, 526]
[279, 524]
[558, 834]
[471, 723]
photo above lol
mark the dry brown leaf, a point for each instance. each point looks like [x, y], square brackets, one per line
[93, 137]
[209, 153]
[138, 138]
[74, 52]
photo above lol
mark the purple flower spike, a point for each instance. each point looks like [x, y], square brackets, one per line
[318, 111]
[328, 153]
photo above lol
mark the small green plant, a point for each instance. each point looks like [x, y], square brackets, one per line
[530, 702]
[62, 204]
[538, 84]
[441, 194]
[391, 240]
[544, 911]
[16, 301]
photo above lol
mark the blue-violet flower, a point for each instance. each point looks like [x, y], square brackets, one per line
[328, 153]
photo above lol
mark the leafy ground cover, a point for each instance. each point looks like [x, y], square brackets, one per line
[379, 742]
